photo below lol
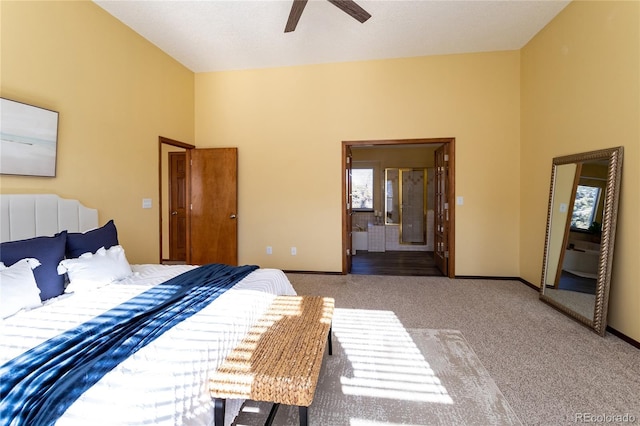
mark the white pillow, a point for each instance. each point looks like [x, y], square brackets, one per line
[91, 271]
[18, 288]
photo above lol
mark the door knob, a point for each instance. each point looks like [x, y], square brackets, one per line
[174, 213]
[233, 216]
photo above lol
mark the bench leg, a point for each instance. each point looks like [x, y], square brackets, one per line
[330, 345]
[272, 414]
[303, 416]
[218, 411]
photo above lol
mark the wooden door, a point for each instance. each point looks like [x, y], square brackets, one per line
[349, 209]
[212, 224]
[177, 206]
[441, 213]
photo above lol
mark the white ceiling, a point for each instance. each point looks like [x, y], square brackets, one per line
[217, 35]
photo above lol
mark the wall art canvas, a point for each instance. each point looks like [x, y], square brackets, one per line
[28, 139]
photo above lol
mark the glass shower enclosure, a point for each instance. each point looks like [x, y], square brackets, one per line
[406, 203]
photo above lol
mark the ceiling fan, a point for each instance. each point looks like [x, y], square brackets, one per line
[350, 7]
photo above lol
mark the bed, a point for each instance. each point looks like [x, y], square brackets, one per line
[164, 382]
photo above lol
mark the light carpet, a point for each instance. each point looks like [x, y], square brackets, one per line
[383, 374]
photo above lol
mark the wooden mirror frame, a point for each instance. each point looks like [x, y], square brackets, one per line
[598, 322]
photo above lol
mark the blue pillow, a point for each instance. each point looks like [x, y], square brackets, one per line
[91, 241]
[49, 251]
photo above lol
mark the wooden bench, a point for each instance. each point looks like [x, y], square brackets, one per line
[280, 358]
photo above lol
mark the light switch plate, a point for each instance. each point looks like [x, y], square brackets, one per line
[146, 203]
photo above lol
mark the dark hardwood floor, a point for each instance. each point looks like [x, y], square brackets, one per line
[411, 263]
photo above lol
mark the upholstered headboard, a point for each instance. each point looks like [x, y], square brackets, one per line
[33, 215]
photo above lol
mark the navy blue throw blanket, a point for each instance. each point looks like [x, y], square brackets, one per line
[38, 386]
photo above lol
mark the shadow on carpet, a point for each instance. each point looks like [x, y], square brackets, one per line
[383, 374]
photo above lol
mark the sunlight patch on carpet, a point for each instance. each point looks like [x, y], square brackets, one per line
[383, 374]
[385, 361]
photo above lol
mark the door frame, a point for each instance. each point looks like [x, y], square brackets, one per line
[346, 147]
[347, 225]
[442, 213]
[166, 141]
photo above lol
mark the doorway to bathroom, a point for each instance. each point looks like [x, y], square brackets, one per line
[401, 221]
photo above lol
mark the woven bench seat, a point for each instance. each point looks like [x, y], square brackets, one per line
[280, 358]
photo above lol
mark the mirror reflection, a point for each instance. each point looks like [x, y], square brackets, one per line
[582, 206]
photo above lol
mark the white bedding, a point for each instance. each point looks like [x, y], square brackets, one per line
[165, 383]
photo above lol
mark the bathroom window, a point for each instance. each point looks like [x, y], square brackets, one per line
[362, 189]
[585, 207]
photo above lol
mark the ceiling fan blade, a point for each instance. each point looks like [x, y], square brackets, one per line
[351, 8]
[294, 16]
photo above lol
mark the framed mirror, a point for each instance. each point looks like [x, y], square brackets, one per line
[579, 241]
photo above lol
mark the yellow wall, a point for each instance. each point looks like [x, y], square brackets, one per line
[581, 92]
[421, 156]
[115, 92]
[288, 125]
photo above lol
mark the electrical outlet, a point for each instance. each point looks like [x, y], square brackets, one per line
[294, 251]
[269, 250]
